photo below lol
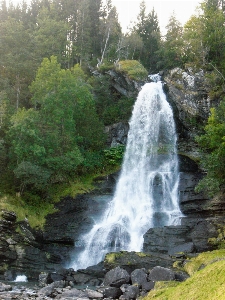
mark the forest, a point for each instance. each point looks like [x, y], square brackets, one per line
[53, 110]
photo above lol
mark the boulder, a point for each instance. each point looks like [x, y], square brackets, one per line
[116, 277]
[5, 287]
[148, 286]
[49, 289]
[129, 291]
[161, 274]
[139, 277]
[110, 292]
[93, 294]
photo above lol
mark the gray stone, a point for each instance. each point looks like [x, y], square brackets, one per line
[5, 287]
[138, 276]
[93, 294]
[130, 292]
[183, 248]
[111, 292]
[116, 277]
[148, 286]
[161, 274]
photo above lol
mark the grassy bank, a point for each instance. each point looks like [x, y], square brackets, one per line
[207, 280]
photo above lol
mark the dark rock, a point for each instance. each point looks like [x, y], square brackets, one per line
[139, 277]
[97, 270]
[201, 233]
[131, 261]
[162, 239]
[183, 248]
[181, 276]
[116, 277]
[111, 292]
[147, 286]
[129, 291]
[161, 274]
[9, 275]
[48, 290]
[117, 134]
[52, 277]
[9, 215]
[186, 164]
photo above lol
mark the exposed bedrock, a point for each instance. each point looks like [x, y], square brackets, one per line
[32, 252]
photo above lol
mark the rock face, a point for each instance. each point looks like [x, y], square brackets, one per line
[31, 252]
[188, 93]
[117, 134]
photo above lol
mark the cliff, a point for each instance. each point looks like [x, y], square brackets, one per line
[31, 252]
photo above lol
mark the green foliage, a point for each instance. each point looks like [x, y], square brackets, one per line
[170, 52]
[51, 142]
[213, 151]
[114, 155]
[111, 106]
[148, 29]
[219, 241]
[133, 69]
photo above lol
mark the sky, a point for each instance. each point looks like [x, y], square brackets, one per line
[129, 9]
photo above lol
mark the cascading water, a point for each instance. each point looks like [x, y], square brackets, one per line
[147, 191]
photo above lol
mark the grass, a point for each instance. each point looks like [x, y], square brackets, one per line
[37, 209]
[205, 284]
[204, 259]
[35, 213]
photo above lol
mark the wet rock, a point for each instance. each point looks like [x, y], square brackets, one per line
[43, 279]
[161, 274]
[117, 134]
[116, 277]
[49, 289]
[72, 294]
[94, 294]
[5, 287]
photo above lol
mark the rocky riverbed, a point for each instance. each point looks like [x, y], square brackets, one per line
[116, 284]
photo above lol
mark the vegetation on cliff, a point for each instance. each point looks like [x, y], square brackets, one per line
[52, 106]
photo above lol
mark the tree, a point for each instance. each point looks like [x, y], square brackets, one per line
[148, 29]
[212, 143]
[171, 51]
[204, 35]
[17, 63]
[52, 141]
[50, 36]
[110, 31]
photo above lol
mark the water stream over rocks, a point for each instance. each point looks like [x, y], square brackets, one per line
[146, 195]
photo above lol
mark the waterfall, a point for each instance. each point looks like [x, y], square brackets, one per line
[146, 195]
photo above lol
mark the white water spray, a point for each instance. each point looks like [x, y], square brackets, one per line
[147, 191]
